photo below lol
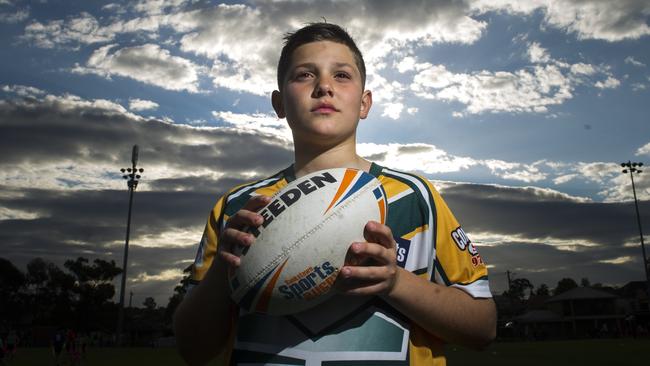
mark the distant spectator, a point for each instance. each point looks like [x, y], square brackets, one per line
[70, 341]
[12, 344]
[2, 351]
[57, 346]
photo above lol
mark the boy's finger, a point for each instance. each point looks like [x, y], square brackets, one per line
[364, 273]
[375, 232]
[371, 250]
[232, 260]
[244, 218]
[232, 237]
[256, 202]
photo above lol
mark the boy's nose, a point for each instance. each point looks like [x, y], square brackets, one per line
[323, 87]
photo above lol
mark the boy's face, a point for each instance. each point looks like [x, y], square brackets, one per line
[322, 95]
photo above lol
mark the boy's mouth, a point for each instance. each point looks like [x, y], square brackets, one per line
[324, 108]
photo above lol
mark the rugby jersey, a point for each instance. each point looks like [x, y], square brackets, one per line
[353, 330]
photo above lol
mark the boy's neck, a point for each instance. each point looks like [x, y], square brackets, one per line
[310, 158]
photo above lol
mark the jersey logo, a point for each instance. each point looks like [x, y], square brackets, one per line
[462, 242]
[403, 247]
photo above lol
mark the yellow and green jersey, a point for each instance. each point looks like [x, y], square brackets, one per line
[352, 330]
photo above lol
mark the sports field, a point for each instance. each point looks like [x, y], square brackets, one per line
[560, 353]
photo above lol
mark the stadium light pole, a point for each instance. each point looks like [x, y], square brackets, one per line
[633, 168]
[131, 175]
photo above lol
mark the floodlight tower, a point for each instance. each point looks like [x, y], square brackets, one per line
[131, 175]
[633, 168]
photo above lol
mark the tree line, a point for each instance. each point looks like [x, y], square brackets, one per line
[77, 296]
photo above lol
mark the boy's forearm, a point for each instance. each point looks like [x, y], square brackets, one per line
[446, 312]
[202, 321]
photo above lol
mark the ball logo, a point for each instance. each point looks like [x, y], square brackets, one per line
[310, 283]
[288, 198]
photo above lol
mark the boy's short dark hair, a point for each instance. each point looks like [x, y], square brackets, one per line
[315, 32]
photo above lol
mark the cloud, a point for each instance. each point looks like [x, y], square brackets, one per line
[15, 17]
[590, 19]
[632, 61]
[241, 42]
[609, 83]
[538, 54]
[84, 29]
[522, 91]
[148, 63]
[66, 142]
[258, 122]
[545, 235]
[138, 105]
[533, 89]
[643, 150]
[22, 90]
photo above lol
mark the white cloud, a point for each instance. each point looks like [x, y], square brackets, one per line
[393, 110]
[528, 90]
[589, 19]
[406, 64]
[609, 83]
[618, 260]
[148, 63]
[157, 6]
[15, 17]
[501, 91]
[142, 105]
[166, 275]
[22, 90]
[630, 60]
[16, 214]
[259, 122]
[643, 150]
[583, 69]
[85, 29]
[415, 157]
[638, 87]
[537, 53]
[242, 40]
[565, 178]
[515, 171]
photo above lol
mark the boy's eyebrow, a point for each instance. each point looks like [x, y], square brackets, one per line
[312, 65]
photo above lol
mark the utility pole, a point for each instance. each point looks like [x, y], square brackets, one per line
[632, 168]
[509, 280]
[132, 182]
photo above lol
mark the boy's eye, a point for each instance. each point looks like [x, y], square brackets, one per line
[343, 75]
[302, 75]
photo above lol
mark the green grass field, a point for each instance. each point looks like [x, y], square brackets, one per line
[619, 352]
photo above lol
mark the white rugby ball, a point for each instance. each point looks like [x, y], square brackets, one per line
[307, 230]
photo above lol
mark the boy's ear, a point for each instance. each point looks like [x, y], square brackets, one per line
[366, 103]
[276, 101]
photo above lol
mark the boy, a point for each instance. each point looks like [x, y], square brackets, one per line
[425, 283]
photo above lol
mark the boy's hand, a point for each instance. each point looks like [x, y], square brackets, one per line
[234, 234]
[372, 266]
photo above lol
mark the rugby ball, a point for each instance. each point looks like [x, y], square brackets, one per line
[307, 230]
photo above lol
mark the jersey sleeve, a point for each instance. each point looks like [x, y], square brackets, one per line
[457, 262]
[209, 242]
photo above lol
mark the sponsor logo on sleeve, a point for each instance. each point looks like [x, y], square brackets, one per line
[463, 243]
[403, 247]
